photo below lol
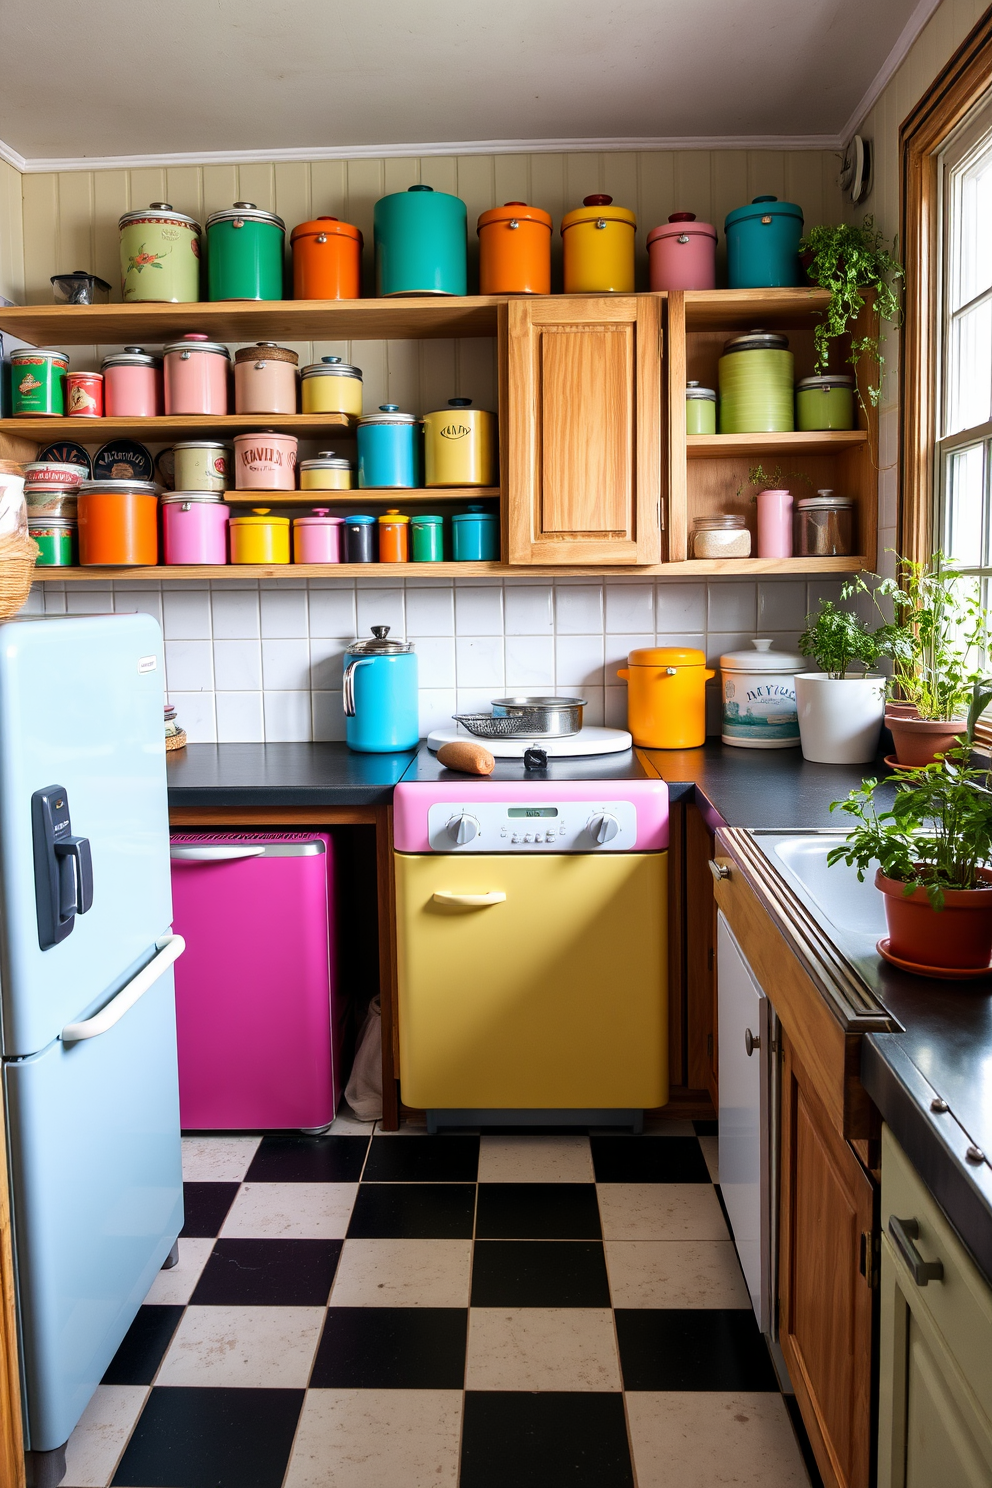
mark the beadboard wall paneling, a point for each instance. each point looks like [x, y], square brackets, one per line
[11, 235]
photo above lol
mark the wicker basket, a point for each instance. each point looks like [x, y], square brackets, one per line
[17, 560]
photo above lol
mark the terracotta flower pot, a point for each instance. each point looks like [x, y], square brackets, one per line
[918, 740]
[901, 710]
[958, 936]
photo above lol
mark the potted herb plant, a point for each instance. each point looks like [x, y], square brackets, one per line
[841, 705]
[846, 260]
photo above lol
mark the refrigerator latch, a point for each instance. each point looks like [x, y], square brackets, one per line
[63, 866]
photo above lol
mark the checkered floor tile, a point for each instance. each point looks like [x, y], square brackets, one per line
[363, 1309]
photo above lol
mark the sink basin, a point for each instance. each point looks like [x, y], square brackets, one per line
[832, 890]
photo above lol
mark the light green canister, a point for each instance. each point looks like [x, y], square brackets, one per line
[37, 380]
[700, 409]
[245, 251]
[427, 539]
[160, 256]
[755, 378]
[825, 402]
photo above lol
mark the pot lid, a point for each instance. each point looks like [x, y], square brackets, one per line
[667, 656]
[597, 209]
[682, 224]
[132, 356]
[158, 212]
[80, 274]
[379, 645]
[266, 351]
[515, 211]
[326, 460]
[763, 206]
[120, 487]
[175, 497]
[246, 212]
[330, 226]
[826, 380]
[197, 341]
[331, 366]
[29, 353]
[762, 659]
[389, 413]
[207, 444]
[261, 517]
[319, 517]
[757, 341]
[693, 390]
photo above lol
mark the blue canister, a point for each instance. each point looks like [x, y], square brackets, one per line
[475, 535]
[380, 694]
[763, 245]
[388, 448]
[420, 243]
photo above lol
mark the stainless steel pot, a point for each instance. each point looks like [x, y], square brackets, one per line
[547, 717]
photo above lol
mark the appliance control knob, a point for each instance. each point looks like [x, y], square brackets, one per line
[604, 827]
[463, 828]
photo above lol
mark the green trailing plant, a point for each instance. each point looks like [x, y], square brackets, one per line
[838, 639]
[845, 260]
[756, 477]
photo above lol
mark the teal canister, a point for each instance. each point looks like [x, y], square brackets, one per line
[389, 449]
[700, 409]
[420, 243]
[763, 245]
[475, 535]
[755, 377]
[427, 539]
[245, 251]
[825, 402]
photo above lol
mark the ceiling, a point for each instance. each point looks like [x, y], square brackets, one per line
[193, 76]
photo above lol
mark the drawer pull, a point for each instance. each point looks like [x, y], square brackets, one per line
[904, 1232]
[719, 870]
[470, 901]
[750, 1042]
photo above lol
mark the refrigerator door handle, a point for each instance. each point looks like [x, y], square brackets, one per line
[213, 854]
[75, 860]
[170, 948]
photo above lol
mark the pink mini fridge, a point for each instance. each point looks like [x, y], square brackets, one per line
[256, 1007]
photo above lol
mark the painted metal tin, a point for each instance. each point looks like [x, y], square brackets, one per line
[682, 253]
[265, 378]
[160, 256]
[331, 386]
[763, 244]
[118, 523]
[394, 537]
[755, 378]
[84, 394]
[420, 245]
[56, 539]
[52, 473]
[132, 384]
[700, 409]
[201, 465]
[245, 254]
[259, 538]
[328, 472]
[37, 380]
[327, 260]
[825, 402]
[515, 250]
[317, 538]
[388, 448]
[427, 539]
[194, 527]
[598, 240]
[759, 697]
[265, 461]
[359, 539]
[460, 445]
[475, 535]
[196, 375]
[43, 502]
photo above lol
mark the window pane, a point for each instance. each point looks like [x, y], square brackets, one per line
[969, 368]
[971, 233]
[964, 483]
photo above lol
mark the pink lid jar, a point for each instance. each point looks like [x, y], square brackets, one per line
[132, 384]
[265, 378]
[196, 375]
[194, 527]
[682, 253]
[317, 538]
[265, 461]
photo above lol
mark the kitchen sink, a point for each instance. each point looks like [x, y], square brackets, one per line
[833, 888]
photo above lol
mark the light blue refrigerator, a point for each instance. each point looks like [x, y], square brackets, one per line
[87, 1010]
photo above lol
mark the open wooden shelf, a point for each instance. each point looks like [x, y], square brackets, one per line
[750, 309]
[164, 430]
[394, 496]
[730, 446]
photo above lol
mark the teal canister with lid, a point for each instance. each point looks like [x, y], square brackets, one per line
[763, 245]
[700, 409]
[245, 251]
[755, 377]
[825, 402]
[475, 535]
[420, 243]
[427, 539]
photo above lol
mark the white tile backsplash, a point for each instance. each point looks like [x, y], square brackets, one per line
[235, 614]
[479, 612]
[579, 609]
[284, 614]
[286, 665]
[186, 614]
[237, 666]
[528, 609]
[239, 717]
[530, 663]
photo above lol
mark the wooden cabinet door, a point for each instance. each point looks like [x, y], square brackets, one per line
[584, 430]
[826, 1277]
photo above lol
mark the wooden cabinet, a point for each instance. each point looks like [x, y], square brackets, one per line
[700, 1019]
[583, 430]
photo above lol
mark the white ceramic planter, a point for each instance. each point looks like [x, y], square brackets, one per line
[839, 721]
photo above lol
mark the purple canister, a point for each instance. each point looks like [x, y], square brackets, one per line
[317, 538]
[194, 527]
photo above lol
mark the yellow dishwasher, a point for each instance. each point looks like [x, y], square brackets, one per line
[531, 924]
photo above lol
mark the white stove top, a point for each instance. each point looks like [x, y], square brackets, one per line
[589, 740]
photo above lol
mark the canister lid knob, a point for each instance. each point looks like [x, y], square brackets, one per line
[597, 201]
[321, 511]
[326, 455]
[245, 206]
[135, 350]
[514, 204]
[681, 216]
[327, 219]
[460, 402]
[160, 207]
[389, 408]
[380, 632]
[756, 199]
[420, 187]
[261, 511]
[330, 359]
[321, 238]
[195, 336]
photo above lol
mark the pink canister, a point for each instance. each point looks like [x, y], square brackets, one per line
[317, 538]
[196, 375]
[774, 524]
[265, 378]
[194, 527]
[265, 461]
[682, 253]
[132, 384]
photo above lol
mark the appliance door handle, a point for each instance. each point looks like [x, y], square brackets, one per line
[213, 854]
[349, 684]
[75, 860]
[470, 901]
[904, 1232]
[170, 948]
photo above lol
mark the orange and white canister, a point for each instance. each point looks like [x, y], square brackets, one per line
[666, 696]
[515, 250]
[327, 260]
[598, 238]
[118, 522]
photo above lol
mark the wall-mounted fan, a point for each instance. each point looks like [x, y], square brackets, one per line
[855, 172]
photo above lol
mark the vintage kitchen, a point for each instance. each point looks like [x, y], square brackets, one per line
[513, 614]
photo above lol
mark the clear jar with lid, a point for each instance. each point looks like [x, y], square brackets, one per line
[700, 409]
[723, 536]
[826, 525]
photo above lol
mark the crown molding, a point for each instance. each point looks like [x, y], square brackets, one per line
[904, 42]
[12, 158]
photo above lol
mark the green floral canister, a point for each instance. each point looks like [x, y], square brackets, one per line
[160, 256]
[700, 409]
[37, 382]
[56, 539]
[755, 378]
[825, 402]
[245, 252]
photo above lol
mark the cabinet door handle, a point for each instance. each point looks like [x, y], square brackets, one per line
[470, 901]
[750, 1042]
[904, 1232]
[719, 870]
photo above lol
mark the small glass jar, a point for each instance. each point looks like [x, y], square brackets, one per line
[427, 539]
[826, 525]
[700, 409]
[359, 539]
[724, 536]
[394, 537]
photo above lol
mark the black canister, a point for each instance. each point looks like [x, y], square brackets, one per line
[359, 539]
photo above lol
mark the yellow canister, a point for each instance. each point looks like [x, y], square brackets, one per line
[598, 239]
[460, 445]
[666, 697]
[331, 386]
[260, 538]
[328, 472]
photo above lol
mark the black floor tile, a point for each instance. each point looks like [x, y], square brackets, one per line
[692, 1348]
[392, 1348]
[230, 1438]
[143, 1346]
[299, 1159]
[648, 1160]
[268, 1273]
[206, 1206]
[538, 1211]
[551, 1438]
[413, 1211]
[539, 1273]
[441, 1159]
[706, 1128]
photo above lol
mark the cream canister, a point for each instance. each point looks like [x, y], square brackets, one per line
[328, 472]
[759, 697]
[196, 371]
[132, 384]
[265, 378]
[202, 465]
[160, 255]
[265, 461]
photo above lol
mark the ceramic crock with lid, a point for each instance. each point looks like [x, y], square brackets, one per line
[259, 537]
[515, 250]
[380, 694]
[759, 697]
[666, 696]
[132, 383]
[201, 465]
[328, 472]
[420, 245]
[755, 378]
[265, 461]
[700, 409]
[763, 244]
[825, 402]
[265, 378]
[331, 386]
[160, 255]
[598, 240]
[682, 253]
[460, 445]
[244, 254]
[194, 527]
[327, 260]
[388, 448]
[317, 538]
[196, 374]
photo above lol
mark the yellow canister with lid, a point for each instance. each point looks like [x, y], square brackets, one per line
[460, 445]
[331, 386]
[666, 696]
[260, 538]
[598, 240]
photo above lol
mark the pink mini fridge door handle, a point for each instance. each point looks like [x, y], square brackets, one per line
[213, 854]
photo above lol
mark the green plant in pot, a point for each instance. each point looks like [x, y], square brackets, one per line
[841, 705]
[846, 260]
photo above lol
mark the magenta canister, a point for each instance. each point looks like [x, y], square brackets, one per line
[682, 253]
[317, 538]
[265, 379]
[265, 461]
[196, 375]
[132, 384]
[194, 527]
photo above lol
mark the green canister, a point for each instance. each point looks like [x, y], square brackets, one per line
[160, 256]
[825, 402]
[427, 539]
[56, 539]
[245, 251]
[37, 380]
[756, 376]
[700, 409]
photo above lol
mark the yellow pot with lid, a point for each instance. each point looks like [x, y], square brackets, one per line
[666, 696]
[260, 538]
[598, 240]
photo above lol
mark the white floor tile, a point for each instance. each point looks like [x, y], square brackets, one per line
[369, 1438]
[535, 1160]
[291, 1211]
[542, 1348]
[177, 1286]
[248, 1347]
[700, 1439]
[101, 1435]
[217, 1159]
[347, 1124]
[403, 1273]
[660, 1211]
[675, 1273]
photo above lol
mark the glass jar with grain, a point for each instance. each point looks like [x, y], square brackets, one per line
[723, 536]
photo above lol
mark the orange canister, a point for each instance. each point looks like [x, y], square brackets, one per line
[394, 537]
[598, 240]
[666, 697]
[327, 260]
[515, 250]
[118, 522]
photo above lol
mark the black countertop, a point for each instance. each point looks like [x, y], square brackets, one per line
[208, 775]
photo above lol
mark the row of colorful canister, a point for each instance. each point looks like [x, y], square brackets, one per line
[758, 393]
